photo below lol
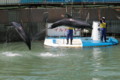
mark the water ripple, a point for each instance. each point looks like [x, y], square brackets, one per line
[48, 54]
[11, 54]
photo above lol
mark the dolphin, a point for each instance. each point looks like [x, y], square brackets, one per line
[70, 22]
[22, 34]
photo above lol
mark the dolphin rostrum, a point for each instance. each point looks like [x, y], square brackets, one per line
[22, 34]
[70, 22]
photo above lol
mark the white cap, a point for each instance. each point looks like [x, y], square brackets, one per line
[103, 17]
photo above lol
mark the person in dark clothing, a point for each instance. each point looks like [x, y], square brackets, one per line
[103, 27]
[70, 35]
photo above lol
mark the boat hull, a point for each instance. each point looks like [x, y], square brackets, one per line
[79, 42]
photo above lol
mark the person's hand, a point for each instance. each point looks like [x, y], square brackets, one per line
[98, 29]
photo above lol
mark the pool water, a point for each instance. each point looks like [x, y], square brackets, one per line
[17, 62]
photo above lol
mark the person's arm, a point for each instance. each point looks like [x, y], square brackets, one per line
[99, 26]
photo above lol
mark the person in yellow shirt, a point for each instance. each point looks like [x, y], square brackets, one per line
[103, 27]
[70, 35]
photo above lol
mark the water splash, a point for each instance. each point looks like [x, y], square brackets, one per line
[48, 54]
[11, 54]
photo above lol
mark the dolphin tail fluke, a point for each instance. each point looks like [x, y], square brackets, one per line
[28, 41]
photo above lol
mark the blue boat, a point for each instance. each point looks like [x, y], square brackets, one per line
[87, 42]
[79, 42]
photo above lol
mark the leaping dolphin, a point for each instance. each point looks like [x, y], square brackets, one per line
[22, 34]
[70, 22]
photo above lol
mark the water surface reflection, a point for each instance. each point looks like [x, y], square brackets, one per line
[48, 63]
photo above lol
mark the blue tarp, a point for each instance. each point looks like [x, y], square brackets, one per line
[56, 1]
[32, 1]
[64, 1]
[114, 1]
